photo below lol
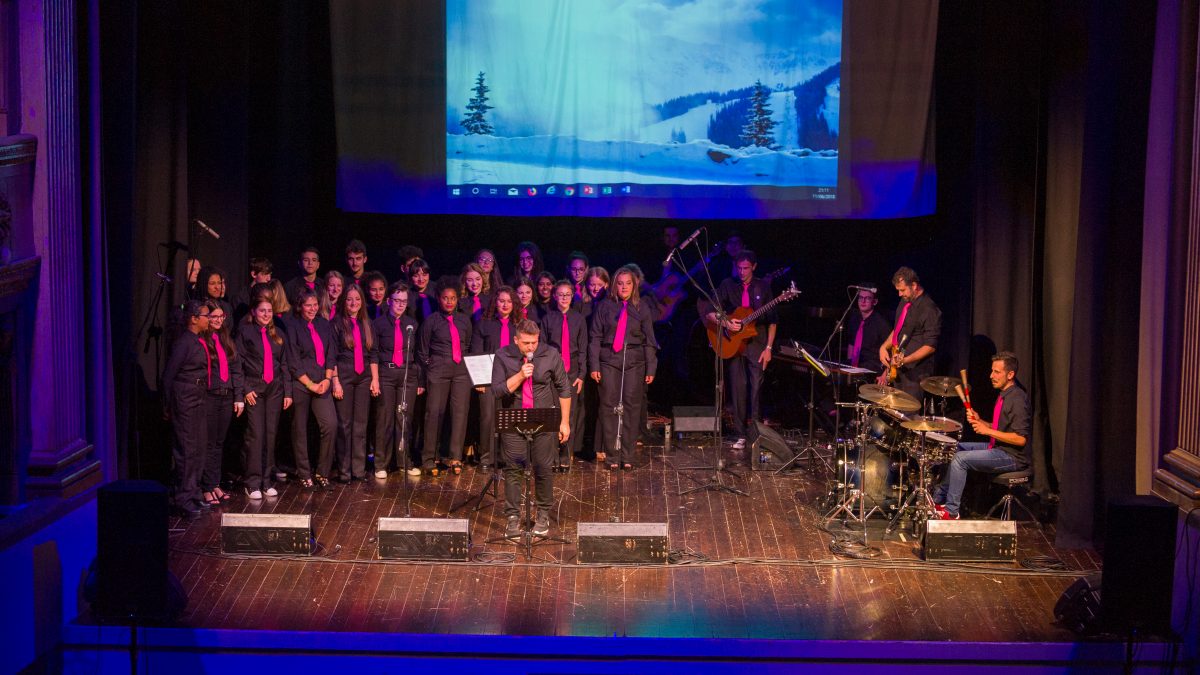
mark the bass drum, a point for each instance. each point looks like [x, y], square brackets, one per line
[869, 470]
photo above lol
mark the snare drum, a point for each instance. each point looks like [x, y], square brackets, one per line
[939, 448]
[885, 431]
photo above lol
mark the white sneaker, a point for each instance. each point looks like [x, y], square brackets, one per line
[381, 474]
[254, 494]
[414, 471]
[271, 492]
[281, 476]
[739, 444]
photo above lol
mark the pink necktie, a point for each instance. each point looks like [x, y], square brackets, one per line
[358, 353]
[566, 344]
[475, 306]
[398, 347]
[504, 336]
[622, 321]
[332, 311]
[268, 358]
[222, 360]
[996, 418]
[318, 347]
[427, 310]
[746, 295]
[527, 393]
[857, 348]
[900, 323]
[312, 285]
[207, 361]
[455, 341]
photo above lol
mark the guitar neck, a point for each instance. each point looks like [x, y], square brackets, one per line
[763, 310]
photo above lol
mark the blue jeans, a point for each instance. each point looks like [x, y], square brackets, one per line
[974, 456]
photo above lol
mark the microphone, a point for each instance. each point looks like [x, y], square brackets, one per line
[864, 288]
[528, 357]
[670, 255]
[206, 228]
[408, 328]
[687, 242]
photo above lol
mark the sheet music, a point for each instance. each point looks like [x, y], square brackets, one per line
[480, 368]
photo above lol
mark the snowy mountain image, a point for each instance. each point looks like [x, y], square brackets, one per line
[719, 92]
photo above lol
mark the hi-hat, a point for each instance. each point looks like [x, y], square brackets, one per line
[931, 424]
[889, 397]
[940, 385]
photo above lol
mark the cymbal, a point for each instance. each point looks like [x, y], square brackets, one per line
[889, 397]
[939, 385]
[930, 424]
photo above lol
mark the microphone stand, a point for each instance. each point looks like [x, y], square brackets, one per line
[402, 413]
[714, 483]
[619, 409]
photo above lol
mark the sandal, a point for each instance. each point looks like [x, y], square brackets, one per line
[322, 481]
[456, 468]
[600, 457]
[220, 494]
[614, 466]
[431, 471]
[306, 483]
[211, 499]
[627, 467]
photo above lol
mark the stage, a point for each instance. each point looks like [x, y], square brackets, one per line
[751, 579]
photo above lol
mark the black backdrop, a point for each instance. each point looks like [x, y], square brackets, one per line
[223, 110]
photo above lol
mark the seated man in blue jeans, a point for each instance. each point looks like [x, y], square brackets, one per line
[1009, 448]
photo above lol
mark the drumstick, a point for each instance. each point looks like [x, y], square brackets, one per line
[966, 385]
[962, 395]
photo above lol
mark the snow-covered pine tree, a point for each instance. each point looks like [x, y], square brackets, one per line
[475, 122]
[759, 125]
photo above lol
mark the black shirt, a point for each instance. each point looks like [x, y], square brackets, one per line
[250, 346]
[188, 365]
[1016, 416]
[487, 333]
[233, 363]
[302, 351]
[577, 340]
[421, 305]
[875, 331]
[344, 351]
[385, 343]
[434, 348]
[729, 295]
[639, 336]
[549, 379]
[466, 305]
[923, 326]
[292, 288]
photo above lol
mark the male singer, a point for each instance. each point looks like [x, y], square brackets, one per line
[918, 325]
[530, 374]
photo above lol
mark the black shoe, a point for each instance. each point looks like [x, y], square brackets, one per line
[513, 529]
[541, 524]
[343, 479]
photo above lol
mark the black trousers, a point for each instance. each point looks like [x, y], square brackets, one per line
[387, 417]
[590, 407]
[448, 386]
[352, 412]
[219, 411]
[545, 448]
[190, 425]
[487, 427]
[745, 383]
[304, 403]
[571, 448]
[262, 425]
[633, 396]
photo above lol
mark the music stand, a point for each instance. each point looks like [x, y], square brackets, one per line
[528, 423]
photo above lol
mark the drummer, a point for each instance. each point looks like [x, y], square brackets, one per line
[1009, 448]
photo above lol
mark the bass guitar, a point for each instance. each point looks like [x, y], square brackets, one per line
[729, 344]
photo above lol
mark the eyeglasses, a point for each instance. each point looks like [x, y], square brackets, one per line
[397, 300]
[486, 261]
[578, 269]
[214, 317]
[564, 295]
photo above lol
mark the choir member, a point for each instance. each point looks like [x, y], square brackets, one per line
[268, 391]
[279, 301]
[408, 254]
[565, 329]
[529, 262]
[356, 261]
[596, 285]
[526, 307]
[422, 302]
[211, 286]
[224, 400]
[311, 354]
[494, 330]
[470, 292]
[335, 284]
[355, 381]
[491, 271]
[622, 360]
[544, 285]
[400, 379]
[577, 267]
[310, 265]
[186, 378]
[442, 341]
[376, 286]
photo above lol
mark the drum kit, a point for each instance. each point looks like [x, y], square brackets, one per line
[887, 465]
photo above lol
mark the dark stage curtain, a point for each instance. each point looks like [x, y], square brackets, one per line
[1057, 136]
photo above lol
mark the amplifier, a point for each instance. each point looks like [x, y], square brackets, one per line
[424, 538]
[693, 418]
[622, 542]
[267, 533]
[970, 540]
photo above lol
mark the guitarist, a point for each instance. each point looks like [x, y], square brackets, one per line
[744, 371]
[918, 326]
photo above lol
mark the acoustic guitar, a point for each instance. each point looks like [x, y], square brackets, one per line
[728, 344]
[670, 288]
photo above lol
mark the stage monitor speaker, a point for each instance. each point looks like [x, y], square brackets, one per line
[623, 542]
[1139, 565]
[424, 538]
[267, 533]
[132, 581]
[693, 418]
[764, 439]
[1078, 608]
[970, 540]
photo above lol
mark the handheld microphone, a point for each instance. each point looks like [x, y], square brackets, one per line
[206, 228]
[863, 288]
[687, 242]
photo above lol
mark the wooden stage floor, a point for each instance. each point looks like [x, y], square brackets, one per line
[749, 567]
